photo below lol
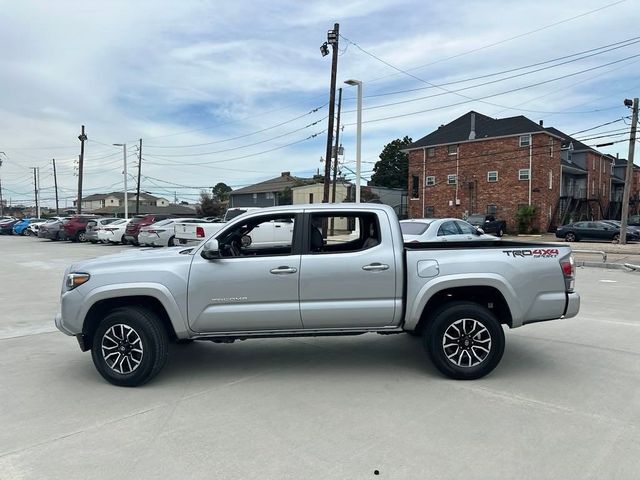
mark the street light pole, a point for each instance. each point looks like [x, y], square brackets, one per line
[126, 199]
[358, 83]
[629, 173]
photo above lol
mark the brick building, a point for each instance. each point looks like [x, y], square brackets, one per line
[479, 164]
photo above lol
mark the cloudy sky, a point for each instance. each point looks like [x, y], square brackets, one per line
[237, 91]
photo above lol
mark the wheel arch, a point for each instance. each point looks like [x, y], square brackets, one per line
[102, 307]
[487, 296]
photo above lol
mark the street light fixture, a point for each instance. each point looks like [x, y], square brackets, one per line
[358, 83]
[126, 199]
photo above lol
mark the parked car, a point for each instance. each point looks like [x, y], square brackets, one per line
[162, 233]
[618, 224]
[6, 226]
[441, 230]
[94, 226]
[597, 230]
[634, 220]
[53, 229]
[137, 222]
[488, 223]
[126, 308]
[21, 227]
[76, 227]
[114, 232]
[34, 225]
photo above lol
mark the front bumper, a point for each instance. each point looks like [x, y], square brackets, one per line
[59, 324]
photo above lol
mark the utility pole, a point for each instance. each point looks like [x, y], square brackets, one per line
[332, 39]
[82, 137]
[139, 171]
[55, 185]
[35, 189]
[1, 202]
[337, 149]
[629, 172]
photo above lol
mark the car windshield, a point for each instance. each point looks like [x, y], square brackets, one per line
[164, 222]
[118, 222]
[135, 220]
[414, 228]
[475, 219]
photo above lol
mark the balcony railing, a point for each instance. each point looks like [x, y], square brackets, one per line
[573, 191]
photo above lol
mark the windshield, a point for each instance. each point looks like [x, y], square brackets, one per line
[475, 219]
[414, 228]
[137, 219]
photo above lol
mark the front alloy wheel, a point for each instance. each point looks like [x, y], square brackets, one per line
[129, 346]
[122, 348]
[570, 237]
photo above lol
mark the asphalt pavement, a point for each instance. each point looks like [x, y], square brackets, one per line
[564, 402]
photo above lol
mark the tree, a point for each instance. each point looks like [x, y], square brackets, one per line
[392, 170]
[220, 192]
[208, 206]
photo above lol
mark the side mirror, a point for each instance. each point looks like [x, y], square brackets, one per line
[210, 250]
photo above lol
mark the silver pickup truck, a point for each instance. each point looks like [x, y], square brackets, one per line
[345, 271]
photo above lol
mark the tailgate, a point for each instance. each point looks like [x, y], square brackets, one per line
[186, 231]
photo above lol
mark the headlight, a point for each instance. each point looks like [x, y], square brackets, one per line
[74, 280]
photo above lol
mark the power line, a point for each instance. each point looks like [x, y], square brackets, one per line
[616, 46]
[506, 39]
[601, 125]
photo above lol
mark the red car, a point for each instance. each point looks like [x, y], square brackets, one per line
[75, 228]
[137, 222]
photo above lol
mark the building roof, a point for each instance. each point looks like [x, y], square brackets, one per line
[278, 184]
[568, 140]
[171, 209]
[459, 130]
[119, 195]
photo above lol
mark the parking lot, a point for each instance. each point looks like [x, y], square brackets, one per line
[564, 402]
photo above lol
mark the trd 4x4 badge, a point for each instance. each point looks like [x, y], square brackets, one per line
[536, 253]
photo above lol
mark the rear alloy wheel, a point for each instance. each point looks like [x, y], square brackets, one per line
[464, 340]
[570, 237]
[130, 346]
[616, 238]
[81, 236]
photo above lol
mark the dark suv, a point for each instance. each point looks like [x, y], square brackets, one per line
[76, 227]
[137, 222]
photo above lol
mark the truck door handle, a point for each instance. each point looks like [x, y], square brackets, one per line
[375, 267]
[283, 270]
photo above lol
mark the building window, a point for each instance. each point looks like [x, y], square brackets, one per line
[525, 140]
[269, 196]
[523, 174]
[452, 149]
[311, 198]
[431, 152]
[551, 145]
[431, 181]
[452, 179]
[492, 209]
[492, 176]
[550, 180]
[415, 186]
[429, 212]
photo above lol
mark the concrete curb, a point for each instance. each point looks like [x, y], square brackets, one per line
[612, 266]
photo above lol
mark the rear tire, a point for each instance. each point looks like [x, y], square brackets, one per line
[171, 242]
[500, 232]
[464, 340]
[616, 238]
[25, 232]
[81, 236]
[130, 346]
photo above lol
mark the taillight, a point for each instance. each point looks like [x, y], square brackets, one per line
[569, 271]
[199, 232]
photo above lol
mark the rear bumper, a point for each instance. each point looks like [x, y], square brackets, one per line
[573, 305]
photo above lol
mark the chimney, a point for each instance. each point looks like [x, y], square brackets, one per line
[285, 174]
[542, 123]
[472, 133]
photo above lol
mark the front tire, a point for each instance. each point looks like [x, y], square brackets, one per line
[570, 237]
[464, 340]
[616, 238]
[130, 346]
